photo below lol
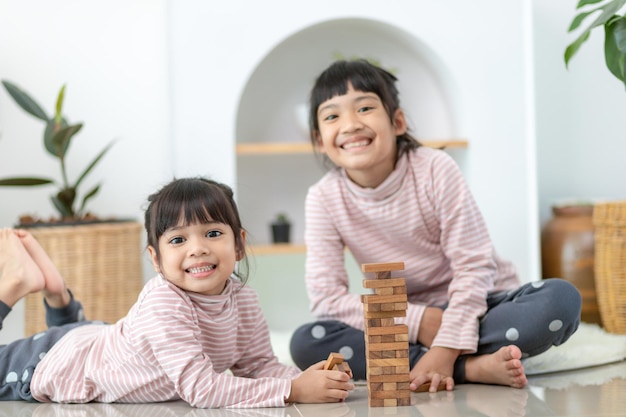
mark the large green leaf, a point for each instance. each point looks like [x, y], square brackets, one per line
[24, 100]
[615, 46]
[93, 163]
[23, 181]
[51, 128]
[62, 138]
[582, 3]
[608, 11]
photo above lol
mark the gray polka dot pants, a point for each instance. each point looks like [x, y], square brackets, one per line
[19, 358]
[533, 317]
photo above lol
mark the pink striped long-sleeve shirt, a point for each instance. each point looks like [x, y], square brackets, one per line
[424, 215]
[172, 345]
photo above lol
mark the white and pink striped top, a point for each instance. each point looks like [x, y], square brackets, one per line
[171, 345]
[424, 215]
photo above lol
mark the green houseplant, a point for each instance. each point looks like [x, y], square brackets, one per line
[281, 229]
[100, 259]
[614, 33]
[57, 138]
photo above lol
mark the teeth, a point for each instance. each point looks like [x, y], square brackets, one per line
[350, 145]
[201, 269]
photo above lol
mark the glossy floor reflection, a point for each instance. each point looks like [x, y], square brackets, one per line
[597, 392]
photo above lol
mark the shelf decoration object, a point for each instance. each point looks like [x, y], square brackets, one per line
[281, 229]
[386, 343]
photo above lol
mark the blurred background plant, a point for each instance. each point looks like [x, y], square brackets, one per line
[614, 25]
[57, 138]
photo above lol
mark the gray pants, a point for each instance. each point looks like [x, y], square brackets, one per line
[533, 317]
[19, 358]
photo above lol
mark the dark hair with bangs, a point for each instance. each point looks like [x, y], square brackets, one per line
[192, 201]
[366, 77]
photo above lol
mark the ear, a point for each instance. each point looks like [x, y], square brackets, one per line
[399, 122]
[318, 142]
[243, 245]
[154, 258]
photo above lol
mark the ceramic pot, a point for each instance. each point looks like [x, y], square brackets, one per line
[567, 251]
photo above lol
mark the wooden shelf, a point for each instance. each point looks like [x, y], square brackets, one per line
[305, 147]
[276, 249]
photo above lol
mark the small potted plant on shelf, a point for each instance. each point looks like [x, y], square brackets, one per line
[99, 259]
[281, 228]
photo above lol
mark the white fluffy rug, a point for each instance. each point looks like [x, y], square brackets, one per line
[589, 346]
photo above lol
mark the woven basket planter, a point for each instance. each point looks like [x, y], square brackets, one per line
[609, 221]
[101, 264]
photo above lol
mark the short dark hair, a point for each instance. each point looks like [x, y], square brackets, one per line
[195, 200]
[366, 77]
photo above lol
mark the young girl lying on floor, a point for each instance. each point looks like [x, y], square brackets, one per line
[191, 323]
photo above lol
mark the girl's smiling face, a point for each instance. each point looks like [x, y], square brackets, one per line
[356, 133]
[199, 257]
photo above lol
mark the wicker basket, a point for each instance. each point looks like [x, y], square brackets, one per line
[101, 264]
[609, 220]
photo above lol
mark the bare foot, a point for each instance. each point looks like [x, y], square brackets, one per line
[503, 367]
[19, 274]
[55, 291]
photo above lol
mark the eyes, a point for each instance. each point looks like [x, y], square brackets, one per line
[178, 239]
[330, 115]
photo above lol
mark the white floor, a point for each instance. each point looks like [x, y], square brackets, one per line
[591, 392]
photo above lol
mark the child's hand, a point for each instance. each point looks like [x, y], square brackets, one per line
[435, 367]
[315, 385]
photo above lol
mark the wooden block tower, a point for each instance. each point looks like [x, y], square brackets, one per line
[386, 343]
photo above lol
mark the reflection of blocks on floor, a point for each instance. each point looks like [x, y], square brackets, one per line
[386, 343]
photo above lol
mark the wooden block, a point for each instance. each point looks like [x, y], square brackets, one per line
[381, 267]
[395, 329]
[390, 394]
[399, 290]
[376, 386]
[388, 322]
[403, 402]
[388, 346]
[390, 402]
[386, 291]
[390, 378]
[344, 367]
[375, 402]
[374, 354]
[384, 314]
[401, 337]
[404, 353]
[383, 299]
[388, 338]
[384, 283]
[372, 322]
[333, 359]
[425, 387]
[373, 339]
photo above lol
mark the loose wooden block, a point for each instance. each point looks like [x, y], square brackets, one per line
[333, 359]
[425, 387]
[381, 267]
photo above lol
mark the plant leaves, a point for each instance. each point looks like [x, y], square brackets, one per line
[582, 3]
[58, 115]
[63, 210]
[93, 163]
[24, 181]
[88, 197]
[615, 47]
[24, 100]
[608, 11]
[51, 129]
[61, 139]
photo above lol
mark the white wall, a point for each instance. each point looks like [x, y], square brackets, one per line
[113, 57]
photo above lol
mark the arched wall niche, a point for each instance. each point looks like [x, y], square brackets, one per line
[280, 83]
[275, 95]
